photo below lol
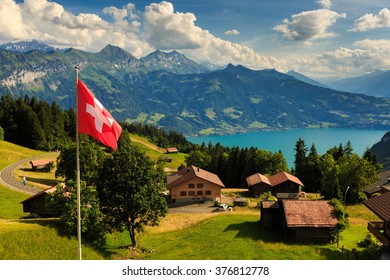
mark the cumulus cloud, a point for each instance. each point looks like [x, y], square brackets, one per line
[232, 32]
[371, 21]
[158, 27]
[11, 21]
[364, 57]
[326, 4]
[309, 25]
[166, 29]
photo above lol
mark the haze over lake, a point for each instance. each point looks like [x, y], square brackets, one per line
[285, 141]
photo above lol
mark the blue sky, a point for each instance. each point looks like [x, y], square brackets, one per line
[319, 38]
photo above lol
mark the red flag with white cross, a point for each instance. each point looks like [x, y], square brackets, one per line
[94, 119]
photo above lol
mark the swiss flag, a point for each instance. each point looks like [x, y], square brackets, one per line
[94, 119]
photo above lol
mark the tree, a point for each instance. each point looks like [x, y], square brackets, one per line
[130, 190]
[330, 186]
[63, 204]
[356, 173]
[300, 161]
[91, 156]
[1, 134]
[313, 173]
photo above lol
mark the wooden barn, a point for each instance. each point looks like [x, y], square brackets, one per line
[35, 204]
[300, 220]
[282, 185]
[41, 164]
[270, 214]
[258, 184]
[309, 220]
[172, 150]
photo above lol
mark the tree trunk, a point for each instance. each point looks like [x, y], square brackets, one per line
[131, 231]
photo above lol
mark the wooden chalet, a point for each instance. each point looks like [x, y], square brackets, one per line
[193, 184]
[380, 205]
[300, 220]
[41, 164]
[36, 204]
[278, 184]
[379, 187]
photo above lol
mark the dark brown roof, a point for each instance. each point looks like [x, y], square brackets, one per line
[191, 172]
[380, 205]
[257, 178]
[383, 183]
[309, 213]
[282, 177]
[44, 192]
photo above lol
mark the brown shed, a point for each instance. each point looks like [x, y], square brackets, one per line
[309, 220]
[172, 150]
[41, 164]
[258, 184]
[35, 204]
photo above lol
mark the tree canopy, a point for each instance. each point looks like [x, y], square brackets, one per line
[131, 197]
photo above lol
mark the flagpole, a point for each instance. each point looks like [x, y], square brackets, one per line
[78, 167]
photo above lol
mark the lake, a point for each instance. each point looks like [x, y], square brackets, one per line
[323, 139]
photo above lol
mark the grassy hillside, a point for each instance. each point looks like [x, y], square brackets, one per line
[224, 235]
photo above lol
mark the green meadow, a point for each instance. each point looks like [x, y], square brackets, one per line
[233, 235]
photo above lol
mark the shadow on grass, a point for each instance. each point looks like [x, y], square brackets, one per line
[55, 223]
[41, 181]
[255, 231]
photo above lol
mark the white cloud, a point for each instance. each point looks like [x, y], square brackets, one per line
[326, 4]
[11, 22]
[309, 25]
[166, 29]
[366, 56]
[232, 32]
[50, 23]
[371, 21]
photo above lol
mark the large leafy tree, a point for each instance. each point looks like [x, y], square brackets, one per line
[63, 203]
[130, 191]
[91, 157]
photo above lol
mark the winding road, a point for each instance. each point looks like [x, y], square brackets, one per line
[8, 180]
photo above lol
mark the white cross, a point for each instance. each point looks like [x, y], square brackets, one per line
[97, 113]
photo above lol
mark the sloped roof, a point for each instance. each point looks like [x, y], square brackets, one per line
[47, 191]
[40, 162]
[380, 205]
[309, 213]
[172, 150]
[257, 178]
[191, 172]
[282, 177]
[383, 183]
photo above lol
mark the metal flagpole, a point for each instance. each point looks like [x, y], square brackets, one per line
[78, 166]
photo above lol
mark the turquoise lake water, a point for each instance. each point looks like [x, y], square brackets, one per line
[285, 141]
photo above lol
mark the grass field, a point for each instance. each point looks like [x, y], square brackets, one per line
[225, 235]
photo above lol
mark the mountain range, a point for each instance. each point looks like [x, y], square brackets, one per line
[376, 84]
[174, 92]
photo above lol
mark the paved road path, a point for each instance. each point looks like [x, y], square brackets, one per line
[8, 180]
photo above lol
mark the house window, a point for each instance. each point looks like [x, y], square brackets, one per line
[199, 186]
[208, 192]
[183, 193]
[191, 186]
[199, 193]
[191, 193]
